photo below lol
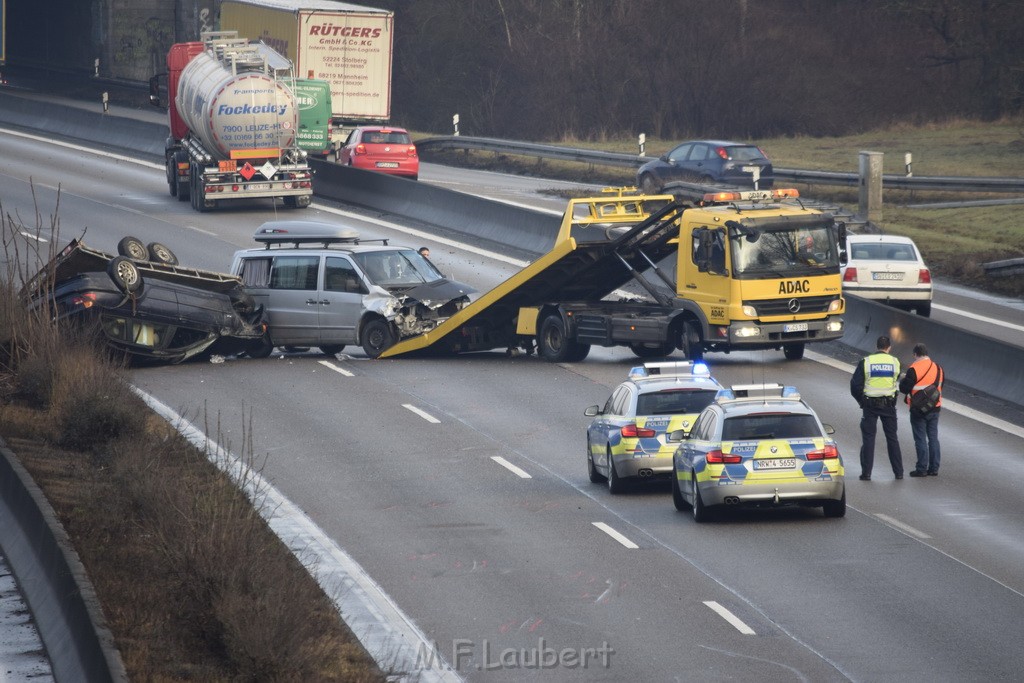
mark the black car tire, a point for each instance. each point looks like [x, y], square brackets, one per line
[642, 351]
[261, 348]
[649, 184]
[615, 483]
[793, 351]
[378, 337]
[158, 253]
[125, 274]
[701, 513]
[332, 349]
[592, 473]
[835, 508]
[133, 248]
[924, 310]
[677, 494]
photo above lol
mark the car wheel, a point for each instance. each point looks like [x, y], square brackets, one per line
[595, 476]
[701, 513]
[261, 348]
[133, 248]
[925, 310]
[657, 351]
[378, 336]
[677, 494]
[649, 184]
[835, 508]
[161, 254]
[615, 483]
[125, 274]
[332, 349]
[793, 351]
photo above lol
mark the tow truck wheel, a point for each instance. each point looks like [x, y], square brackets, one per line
[554, 345]
[125, 274]
[377, 337]
[646, 351]
[793, 351]
[133, 248]
[691, 344]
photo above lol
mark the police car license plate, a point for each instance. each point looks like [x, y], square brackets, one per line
[775, 464]
[887, 276]
[794, 327]
[387, 164]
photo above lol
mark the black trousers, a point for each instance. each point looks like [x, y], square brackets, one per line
[874, 410]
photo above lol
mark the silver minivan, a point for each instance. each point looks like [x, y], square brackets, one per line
[321, 285]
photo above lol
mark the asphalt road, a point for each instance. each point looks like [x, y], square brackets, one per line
[921, 581]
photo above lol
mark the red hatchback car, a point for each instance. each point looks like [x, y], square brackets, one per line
[381, 148]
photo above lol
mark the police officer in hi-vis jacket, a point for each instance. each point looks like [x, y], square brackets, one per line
[874, 385]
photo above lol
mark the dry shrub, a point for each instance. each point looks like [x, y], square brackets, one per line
[237, 584]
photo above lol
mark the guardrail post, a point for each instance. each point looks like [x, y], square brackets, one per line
[643, 143]
[871, 186]
[455, 122]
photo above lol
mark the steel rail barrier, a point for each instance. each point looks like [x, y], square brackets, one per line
[619, 160]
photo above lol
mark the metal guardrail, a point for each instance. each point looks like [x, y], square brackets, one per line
[619, 160]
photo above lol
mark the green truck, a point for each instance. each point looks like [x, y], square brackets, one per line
[313, 98]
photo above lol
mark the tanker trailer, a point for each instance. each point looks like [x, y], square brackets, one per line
[233, 122]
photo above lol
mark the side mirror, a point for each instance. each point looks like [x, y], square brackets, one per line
[829, 429]
[592, 411]
[677, 435]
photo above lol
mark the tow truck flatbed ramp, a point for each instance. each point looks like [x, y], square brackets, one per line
[587, 262]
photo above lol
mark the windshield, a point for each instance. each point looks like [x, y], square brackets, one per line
[396, 267]
[780, 252]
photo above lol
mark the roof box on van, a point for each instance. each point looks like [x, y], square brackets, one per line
[305, 232]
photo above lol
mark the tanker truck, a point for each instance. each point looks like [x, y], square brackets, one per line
[233, 121]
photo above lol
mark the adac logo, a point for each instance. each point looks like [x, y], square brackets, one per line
[794, 287]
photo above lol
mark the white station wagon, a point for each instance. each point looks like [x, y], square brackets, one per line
[889, 269]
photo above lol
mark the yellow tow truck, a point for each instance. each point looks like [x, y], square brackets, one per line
[752, 270]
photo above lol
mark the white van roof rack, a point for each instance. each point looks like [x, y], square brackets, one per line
[305, 232]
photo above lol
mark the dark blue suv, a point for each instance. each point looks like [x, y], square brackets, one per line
[708, 161]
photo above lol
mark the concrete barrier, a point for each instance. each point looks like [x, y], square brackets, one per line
[980, 363]
[504, 224]
[53, 582]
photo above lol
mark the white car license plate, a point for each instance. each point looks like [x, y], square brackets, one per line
[794, 327]
[387, 164]
[887, 276]
[259, 186]
[775, 464]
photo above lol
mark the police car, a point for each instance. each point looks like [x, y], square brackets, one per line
[627, 437]
[757, 445]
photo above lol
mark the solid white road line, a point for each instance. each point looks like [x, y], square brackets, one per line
[425, 415]
[905, 528]
[518, 471]
[967, 314]
[616, 535]
[730, 617]
[332, 366]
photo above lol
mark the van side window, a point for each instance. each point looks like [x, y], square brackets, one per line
[295, 272]
[340, 276]
[256, 272]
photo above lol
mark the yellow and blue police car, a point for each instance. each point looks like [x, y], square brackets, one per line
[757, 445]
[627, 438]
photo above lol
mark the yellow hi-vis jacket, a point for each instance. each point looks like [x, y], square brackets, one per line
[881, 375]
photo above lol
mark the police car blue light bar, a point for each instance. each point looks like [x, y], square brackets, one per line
[682, 368]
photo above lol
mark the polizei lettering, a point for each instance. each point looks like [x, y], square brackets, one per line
[794, 287]
[227, 109]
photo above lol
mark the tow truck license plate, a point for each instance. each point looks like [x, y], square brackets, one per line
[775, 464]
[887, 276]
[794, 327]
[387, 164]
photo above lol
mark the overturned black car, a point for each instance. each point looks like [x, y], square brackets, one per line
[145, 304]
